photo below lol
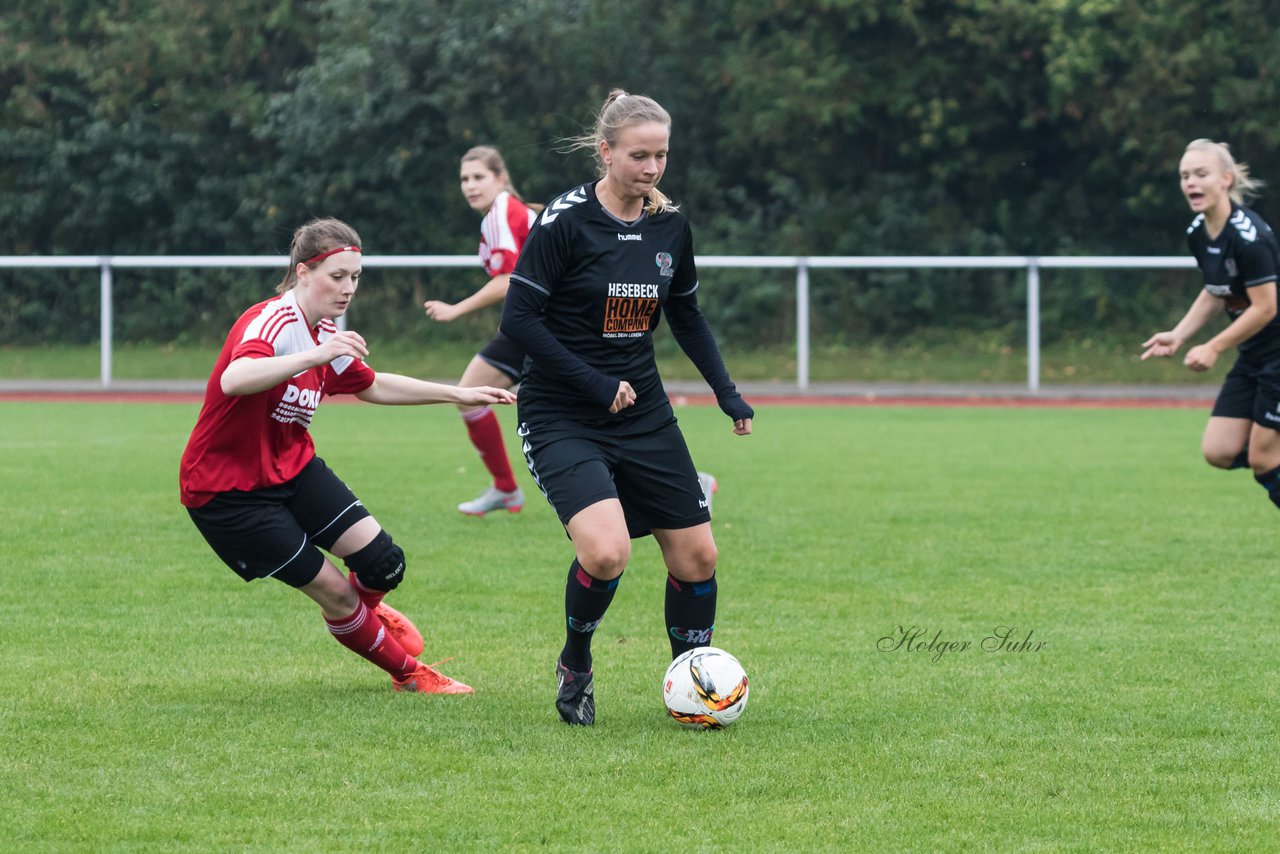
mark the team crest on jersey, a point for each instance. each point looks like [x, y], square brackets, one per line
[1232, 269]
[664, 264]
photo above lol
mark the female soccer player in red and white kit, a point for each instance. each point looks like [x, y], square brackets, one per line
[487, 187]
[1239, 256]
[250, 478]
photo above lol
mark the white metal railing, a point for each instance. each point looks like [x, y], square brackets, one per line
[802, 264]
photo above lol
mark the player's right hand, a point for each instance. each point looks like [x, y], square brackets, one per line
[1161, 344]
[624, 397]
[441, 311]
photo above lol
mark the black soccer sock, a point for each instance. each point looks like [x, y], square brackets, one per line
[585, 601]
[1241, 461]
[1270, 481]
[691, 613]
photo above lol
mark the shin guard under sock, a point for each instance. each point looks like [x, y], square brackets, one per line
[364, 634]
[486, 434]
[691, 613]
[585, 601]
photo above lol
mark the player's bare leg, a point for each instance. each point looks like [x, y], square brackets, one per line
[1226, 442]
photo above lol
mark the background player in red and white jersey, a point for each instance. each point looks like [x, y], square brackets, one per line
[250, 478]
[487, 187]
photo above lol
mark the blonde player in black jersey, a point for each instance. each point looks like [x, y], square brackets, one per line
[601, 265]
[1238, 254]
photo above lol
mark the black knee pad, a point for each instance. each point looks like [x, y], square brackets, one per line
[379, 565]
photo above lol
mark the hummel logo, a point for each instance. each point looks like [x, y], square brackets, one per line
[1214, 250]
[631, 237]
[562, 204]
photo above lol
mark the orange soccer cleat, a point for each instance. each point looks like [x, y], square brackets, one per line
[427, 680]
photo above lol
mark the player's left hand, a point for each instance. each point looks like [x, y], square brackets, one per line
[1200, 358]
[481, 395]
[742, 427]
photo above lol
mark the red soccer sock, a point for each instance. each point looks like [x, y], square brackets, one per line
[486, 435]
[370, 597]
[364, 634]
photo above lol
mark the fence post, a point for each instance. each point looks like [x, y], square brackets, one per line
[1033, 324]
[802, 324]
[104, 265]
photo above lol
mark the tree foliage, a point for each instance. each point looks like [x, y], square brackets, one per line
[817, 127]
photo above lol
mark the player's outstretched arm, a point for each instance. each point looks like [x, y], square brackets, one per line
[399, 390]
[249, 375]
[493, 292]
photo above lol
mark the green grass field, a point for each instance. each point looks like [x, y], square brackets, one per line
[153, 701]
[940, 358]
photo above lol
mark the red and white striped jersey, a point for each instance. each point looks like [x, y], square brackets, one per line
[255, 440]
[503, 232]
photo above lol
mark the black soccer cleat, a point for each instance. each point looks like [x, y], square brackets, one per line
[575, 697]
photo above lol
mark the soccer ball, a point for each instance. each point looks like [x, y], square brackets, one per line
[705, 688]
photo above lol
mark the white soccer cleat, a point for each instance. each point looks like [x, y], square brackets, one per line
[493, 499]
[709, 487]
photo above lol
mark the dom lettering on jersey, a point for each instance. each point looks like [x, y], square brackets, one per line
[298, 405]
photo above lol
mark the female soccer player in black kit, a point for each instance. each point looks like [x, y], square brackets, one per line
[600, 266]
[1239, 256]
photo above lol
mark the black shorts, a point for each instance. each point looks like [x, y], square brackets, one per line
[645, 465]
[274, 532]
[1251, 390]
[505, 355]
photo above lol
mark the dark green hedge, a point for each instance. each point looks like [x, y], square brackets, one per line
[826, 128]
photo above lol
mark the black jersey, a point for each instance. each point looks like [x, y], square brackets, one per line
[586, 295]
[1243, 255]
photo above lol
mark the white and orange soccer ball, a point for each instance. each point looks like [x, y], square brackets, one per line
[705, 688]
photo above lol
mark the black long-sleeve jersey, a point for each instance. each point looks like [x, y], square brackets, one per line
[585, 297]
[1245, 254]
